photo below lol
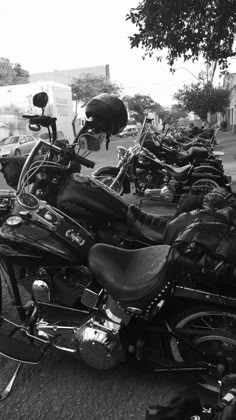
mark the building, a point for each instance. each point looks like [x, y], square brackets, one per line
[230, 83]
[66, 76]
[17, 100]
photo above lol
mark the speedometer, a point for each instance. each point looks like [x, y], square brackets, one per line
[28, 201]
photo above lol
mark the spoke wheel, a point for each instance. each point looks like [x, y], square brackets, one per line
[204, 185]
[108, 179]
[218, 328]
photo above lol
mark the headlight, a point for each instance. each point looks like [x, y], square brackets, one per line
[5, 151]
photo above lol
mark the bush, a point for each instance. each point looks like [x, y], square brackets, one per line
[223, 125]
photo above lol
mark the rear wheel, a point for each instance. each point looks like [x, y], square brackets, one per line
[211, 330]
[204, 185]
[107, 179]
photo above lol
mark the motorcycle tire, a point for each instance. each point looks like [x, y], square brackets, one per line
[221, 323]
[204, 185]
[107, 179]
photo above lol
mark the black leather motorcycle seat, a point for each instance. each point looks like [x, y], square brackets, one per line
[178, 172]
[187, 146]
[194, 152]
[147, 227]
[130, 275]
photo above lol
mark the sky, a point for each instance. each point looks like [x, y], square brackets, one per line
[66, 34]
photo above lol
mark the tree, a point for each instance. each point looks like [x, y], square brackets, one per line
[203, 99]
[186, 29]
[176, 112]
[11, 119]
[142, 104]
[89, 85]
[12, 74]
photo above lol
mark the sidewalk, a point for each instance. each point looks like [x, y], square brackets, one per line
[226, 142]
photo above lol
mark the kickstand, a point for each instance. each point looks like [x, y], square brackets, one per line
[6, 391]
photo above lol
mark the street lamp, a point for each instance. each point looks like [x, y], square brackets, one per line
[198, 78]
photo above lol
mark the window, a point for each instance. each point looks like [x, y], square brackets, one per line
[8, 140]
[29, 138]
[44, 136]
[14, 140]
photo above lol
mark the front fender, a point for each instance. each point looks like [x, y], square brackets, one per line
[113, 171]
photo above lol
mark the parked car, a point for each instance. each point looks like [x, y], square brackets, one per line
[45, 136]
[129, 131]
[3, 141]
[20, 145]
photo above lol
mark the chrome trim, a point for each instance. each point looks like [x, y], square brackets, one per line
[197, 294]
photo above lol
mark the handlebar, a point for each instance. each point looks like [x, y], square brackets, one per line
[84, 161]
[30, 159]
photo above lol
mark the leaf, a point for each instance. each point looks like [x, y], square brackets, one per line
[185, 28]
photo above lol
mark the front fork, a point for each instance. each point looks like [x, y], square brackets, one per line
[121, 173]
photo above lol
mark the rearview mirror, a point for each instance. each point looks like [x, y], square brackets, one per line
[90, 142]
[34, 127]
[40, 99]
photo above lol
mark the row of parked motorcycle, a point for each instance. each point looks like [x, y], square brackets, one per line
[107, 281]
[165, 166]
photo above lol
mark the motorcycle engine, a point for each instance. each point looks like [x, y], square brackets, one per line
[99, 345]
[99, 342]
[167, 193]
[149, 179]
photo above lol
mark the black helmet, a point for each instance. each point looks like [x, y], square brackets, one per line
[108, 112]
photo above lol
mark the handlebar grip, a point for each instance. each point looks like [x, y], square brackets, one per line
[85, 162]
[27, 116]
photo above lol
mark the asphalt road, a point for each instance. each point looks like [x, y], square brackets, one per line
[62, 388]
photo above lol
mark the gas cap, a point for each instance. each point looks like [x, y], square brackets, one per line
[14, 221]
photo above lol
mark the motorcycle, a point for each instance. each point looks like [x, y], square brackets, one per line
[55, 177]
[172, 150]
[104, 304]
[188, 179]
[187, 405]
[140, 172]
[137, 169]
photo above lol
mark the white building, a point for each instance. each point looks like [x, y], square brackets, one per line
[230, 83]
[66, 77]
[16, 100]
